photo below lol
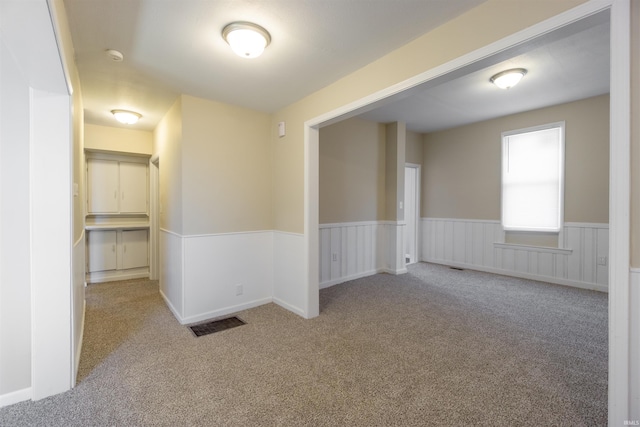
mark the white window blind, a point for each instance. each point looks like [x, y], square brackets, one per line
[532, 178]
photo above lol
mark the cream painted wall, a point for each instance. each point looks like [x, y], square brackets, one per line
[106, 138]
[487, 23]
[226, 173]
[461, 176]
[414, 151]
[352, 171]
[78, 116]
[167, 145]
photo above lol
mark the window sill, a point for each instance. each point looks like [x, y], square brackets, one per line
[530, 248]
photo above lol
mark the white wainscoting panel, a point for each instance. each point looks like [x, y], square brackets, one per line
[478, 244]
[289, 290]
[216, 265]
[589, 242]
[350, 250]
[171, 271]
[393, 241]
[200, 275]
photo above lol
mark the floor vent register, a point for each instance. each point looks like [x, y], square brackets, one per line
[216, 326]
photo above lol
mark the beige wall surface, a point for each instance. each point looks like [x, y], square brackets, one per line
[167, 145]
[352, 171]
[226, 168]
[487, 23]
[414, 152]
[461, 174]
[106, 138]
[394, 170]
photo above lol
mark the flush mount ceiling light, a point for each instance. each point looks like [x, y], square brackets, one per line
[246, 39]
[126, 117]
[509, 78]
[114, 55]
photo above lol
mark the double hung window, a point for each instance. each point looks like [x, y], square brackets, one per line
[533, 178]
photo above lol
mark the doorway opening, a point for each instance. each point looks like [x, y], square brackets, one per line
[619, 182]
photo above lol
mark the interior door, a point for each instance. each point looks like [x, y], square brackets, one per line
[411, 212]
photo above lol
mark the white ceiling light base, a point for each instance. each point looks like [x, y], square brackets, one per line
[509, 78]
[115, 55]
[246, 39]
[126, 117]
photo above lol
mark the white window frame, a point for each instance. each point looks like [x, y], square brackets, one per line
[505, 136]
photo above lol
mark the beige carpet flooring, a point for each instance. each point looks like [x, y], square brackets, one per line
[432, 347]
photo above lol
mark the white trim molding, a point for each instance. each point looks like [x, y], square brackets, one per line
[619, 212]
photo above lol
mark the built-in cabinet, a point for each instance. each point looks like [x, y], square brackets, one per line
[117, 187]
[117, 220]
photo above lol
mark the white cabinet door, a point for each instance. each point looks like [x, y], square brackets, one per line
[133, 187]
[102, 250]
[102, 186]
[135, 248]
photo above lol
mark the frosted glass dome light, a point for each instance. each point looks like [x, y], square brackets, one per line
[246, 39]
[126, 117]
[509, 78]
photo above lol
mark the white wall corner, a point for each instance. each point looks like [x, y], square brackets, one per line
[289, 273]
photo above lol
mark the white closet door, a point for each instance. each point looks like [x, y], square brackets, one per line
[102, 184]
[133, 187]
[135, 249]
[102, 250]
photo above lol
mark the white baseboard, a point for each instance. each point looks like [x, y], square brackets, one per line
[291, 308]
[112, 276]
[80, 340]
[173, 310]
[15, 397]
[224, 311]
[339, 280]
[394, 272]
[547, 279]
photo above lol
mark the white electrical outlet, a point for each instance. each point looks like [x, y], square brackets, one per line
[239, 290]
[602, 260]
[334, 257]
